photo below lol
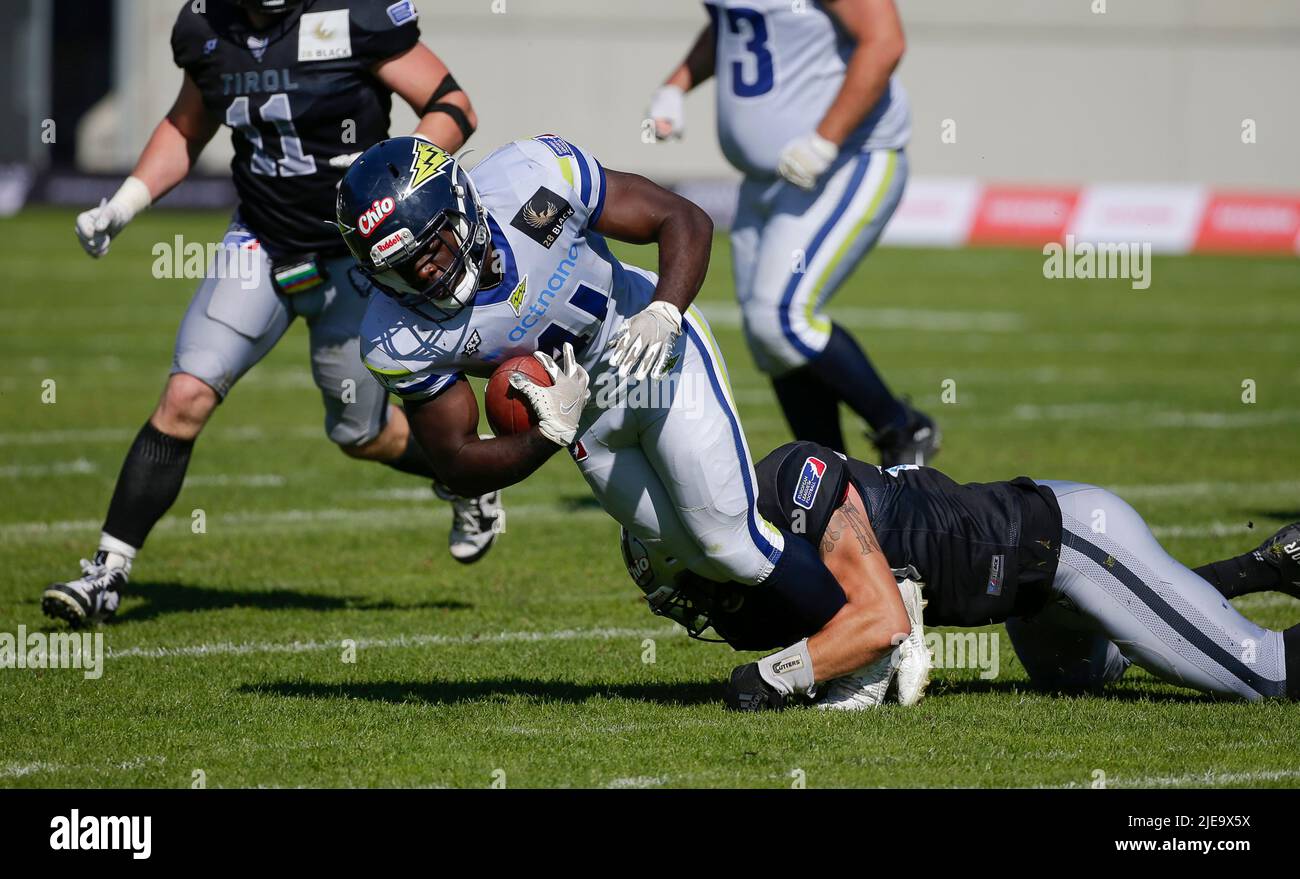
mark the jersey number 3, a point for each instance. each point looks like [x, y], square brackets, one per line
[749, 23]
[277, 111]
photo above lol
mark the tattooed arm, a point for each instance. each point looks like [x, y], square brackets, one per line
[874, 620]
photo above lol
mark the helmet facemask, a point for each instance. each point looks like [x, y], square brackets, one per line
[454, 242]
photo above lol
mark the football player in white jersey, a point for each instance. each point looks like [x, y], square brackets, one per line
[810, 112]
[511, 260]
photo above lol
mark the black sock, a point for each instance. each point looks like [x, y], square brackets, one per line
[843, 366]
[413, 460]
[811, 408]
[147, 485]
[807, 589]
[1291, 645]
[1241, 575]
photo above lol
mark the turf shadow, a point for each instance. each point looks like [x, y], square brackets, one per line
[490, 689]
[1119, 692]
[165, 598]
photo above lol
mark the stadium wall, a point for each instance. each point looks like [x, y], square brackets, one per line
[1037, 91]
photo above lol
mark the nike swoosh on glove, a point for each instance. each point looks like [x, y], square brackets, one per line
[806, 158]
[643, 344]
[558, 407]
[667, 113]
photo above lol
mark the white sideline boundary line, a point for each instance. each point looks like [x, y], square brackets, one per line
[247, 648]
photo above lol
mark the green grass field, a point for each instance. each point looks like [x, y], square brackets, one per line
[227, 655]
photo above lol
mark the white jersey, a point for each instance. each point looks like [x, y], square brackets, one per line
[779, 67]
[559, 281]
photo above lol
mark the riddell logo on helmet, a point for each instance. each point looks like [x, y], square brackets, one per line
[368, 222]
[385, 247]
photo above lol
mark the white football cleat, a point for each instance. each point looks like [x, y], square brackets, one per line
[861, 690]
[913, 656]
[475, 523]
[92, 597]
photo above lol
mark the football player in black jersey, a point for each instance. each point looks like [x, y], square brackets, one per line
[1072, 569]
[304, 86]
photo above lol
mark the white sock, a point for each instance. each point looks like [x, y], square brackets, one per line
[111, 545]
[790, 670]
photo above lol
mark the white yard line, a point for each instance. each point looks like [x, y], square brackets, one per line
[227, 648]
[1247, 490]
[1208, 529]
[18, 770]
[638, 782]
[1197, 779]
[78, 467]
[290, 521]
[932, 320]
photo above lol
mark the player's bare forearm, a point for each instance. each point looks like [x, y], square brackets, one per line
[420, 78]
[874, 619]
[447, 429]
[641, 212]
[176, 142]
[880, 44]
[698, 64]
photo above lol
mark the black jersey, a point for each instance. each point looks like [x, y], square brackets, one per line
[985, 551]
[294, 95]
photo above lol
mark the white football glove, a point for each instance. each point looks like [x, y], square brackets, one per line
[344, 160]
[643, 344]
[97, 227]
[912, 659]
[558, 407]
[806, 158]
[667, 112]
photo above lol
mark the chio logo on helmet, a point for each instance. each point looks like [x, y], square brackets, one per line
[368, 222]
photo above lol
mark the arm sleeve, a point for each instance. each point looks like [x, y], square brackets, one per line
[382, 29]
[800, 485]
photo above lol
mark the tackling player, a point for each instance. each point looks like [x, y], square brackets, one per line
[511, 260]
[303, 85]
[810, 112]
[1072, 564]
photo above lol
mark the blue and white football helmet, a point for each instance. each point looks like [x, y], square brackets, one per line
[406, 206]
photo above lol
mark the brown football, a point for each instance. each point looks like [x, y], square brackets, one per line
[507, 409]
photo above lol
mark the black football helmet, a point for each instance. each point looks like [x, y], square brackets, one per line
[403, 203]
[269, 7]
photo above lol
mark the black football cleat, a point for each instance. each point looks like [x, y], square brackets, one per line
[1281, 552]
[92, 597]
[747, 691]
[915, 442]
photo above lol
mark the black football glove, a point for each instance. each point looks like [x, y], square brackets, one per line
[747, 691]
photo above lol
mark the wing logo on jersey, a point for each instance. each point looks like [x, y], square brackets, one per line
[516, 299]
[543, 216]
[538, 219]
[427, 163]
[805, 492]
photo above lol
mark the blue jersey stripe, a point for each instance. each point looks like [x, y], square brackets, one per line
[594, 217]
[584, 172]
[820, 238]
[510, 271]
[755, 532]
[427, 383]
